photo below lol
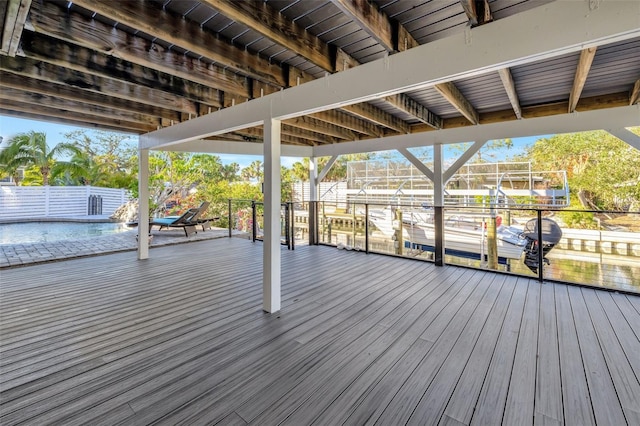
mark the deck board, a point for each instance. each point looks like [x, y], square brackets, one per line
[360, 339]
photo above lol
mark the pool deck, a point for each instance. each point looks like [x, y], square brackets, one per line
[14, 255]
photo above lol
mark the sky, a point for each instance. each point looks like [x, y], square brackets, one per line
[10, 126]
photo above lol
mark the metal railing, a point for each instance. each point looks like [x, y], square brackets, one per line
[499, 238]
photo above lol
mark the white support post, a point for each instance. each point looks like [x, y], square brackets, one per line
[271, 248]
[143, 204]
[326, 168]
[626, 136]
[417, 163]
[462, 160]
[313, 179]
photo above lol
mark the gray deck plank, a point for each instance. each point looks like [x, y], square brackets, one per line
[548, 388]
[576, 399]
[606, 405]
[493, 395]
[463, 399]
[181, 338]
[624, 379]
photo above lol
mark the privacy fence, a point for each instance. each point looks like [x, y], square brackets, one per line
[29, 202]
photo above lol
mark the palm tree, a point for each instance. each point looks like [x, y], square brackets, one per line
[30, 149]
[8, 162]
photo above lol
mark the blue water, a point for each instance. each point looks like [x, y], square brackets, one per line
[41, 232]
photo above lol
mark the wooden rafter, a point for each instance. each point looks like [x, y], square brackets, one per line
[15, 18]
[348, 122]
[368, 17]
[78, 30]
[267, 21]
[178, 31]
[68, 93]
[43, 73]
[57, 52]
[510, 88]
[312, 124]
[635, 93]
[582, 71]
[452, 94]
[478, 11]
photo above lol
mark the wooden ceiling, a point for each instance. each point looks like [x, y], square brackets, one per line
[141, 65]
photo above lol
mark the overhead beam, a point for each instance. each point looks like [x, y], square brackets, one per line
[558, 28]
[223, 146]
[61, 91]
[318, 126]
[67, 55]
[76, 29]
[582, 71]
[634, 96]
[478, 12]
[417, 110]
[622, 116]
[14, 20]
[262, 18]
[348, 122]
[453, 95]
[38, 71]
[510, 88]
[180, 32]
[368, 17]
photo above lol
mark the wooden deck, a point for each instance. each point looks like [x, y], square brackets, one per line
[361, 339]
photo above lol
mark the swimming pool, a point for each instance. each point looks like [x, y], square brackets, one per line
[41, 232]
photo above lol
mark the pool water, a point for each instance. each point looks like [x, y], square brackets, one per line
[41, 232]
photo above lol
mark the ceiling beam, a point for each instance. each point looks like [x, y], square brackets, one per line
[78, 30]
[220, 145]
[415, 109]
[90, 123]
[74, 106]
[623, 116]
[38, 71]
[558, 28]
[260, 17]
[510, 88]
[179, 31]
[377, 116]
[634, 96]
[453, 95]
[348, 122]
[478, 12]
[314, 125]
[63, 54]
[37, 111]
[582, 71]
[61, 91]
[368, 17]
[14, 20]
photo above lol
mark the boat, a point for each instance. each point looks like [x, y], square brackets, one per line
[466, 236]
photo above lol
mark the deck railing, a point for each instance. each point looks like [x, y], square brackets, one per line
[501, 239]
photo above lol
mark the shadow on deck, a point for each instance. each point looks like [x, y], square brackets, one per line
[360, 339]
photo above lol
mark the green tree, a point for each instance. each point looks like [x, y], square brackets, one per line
[253, 171]
[30, 150]
[487, 153]
[602, 171]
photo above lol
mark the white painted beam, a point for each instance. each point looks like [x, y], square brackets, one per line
[626, 136]
[143, 204]
[271, 248]
[326, 168]
[417, 163]
[548, 31]
[626, 116]
[238, 148]
[461, 161]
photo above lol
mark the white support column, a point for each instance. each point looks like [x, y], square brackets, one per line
[143, 204]
[462, 160]
[417, 163]
[271, 251]
[438, 182]
[326, 168]
[313, 179]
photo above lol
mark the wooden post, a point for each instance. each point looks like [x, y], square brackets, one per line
[492, 243]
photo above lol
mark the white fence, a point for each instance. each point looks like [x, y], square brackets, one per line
[22, 202]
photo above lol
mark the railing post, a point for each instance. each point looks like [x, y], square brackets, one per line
[312, 223]
[366, 228]
[292, 223]
[230, 219]
[540, 248]
[253, 221]
[438, 227]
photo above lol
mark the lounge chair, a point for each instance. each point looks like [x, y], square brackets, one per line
[187, 221]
